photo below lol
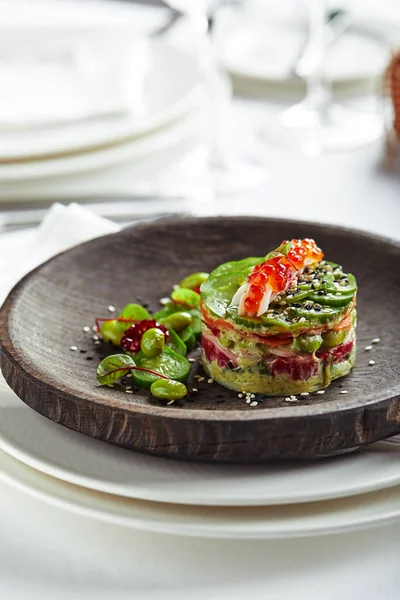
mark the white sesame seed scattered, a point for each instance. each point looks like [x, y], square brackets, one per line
[97, 342]
[368, 348]
[111, 308]
[248, 401]
[254, 403]
[304, 394]
[289, 296]
[376, 340]
[195, 390]
[128, 391]
[73, 348]
[128, 387]
[291, 400]
[94, 328]
[164, 301]
[210, 380]
[288, 399]
[302, 320]
[371, 363]
[200, 379]
[343, 391]
[252, 395]
[320, 392]
[170, 402]
[129, 375]
[243, 392]
[110, 385]
[240, 395]
[95, 337]
[175, 287]
[86, 328]
[191, 359]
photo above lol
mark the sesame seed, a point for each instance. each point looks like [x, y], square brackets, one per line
[200, 379]
[191, 359]
[376, 340]
[254, 403]
[128, 391]
[320, 392]
[175, 287]
[196, 377]
[97, 342]
[86, 328]
[95, 337]
[195, 390]
[304, 394]
[291, 399]
[368, 348]
[170, 402]
[164, 301]
[371, 363]
[240, 395]
[128, 387]
[343, 392]
[94, 328]
[110, 385]
[111, 308]
[129, 375]
[210, 380]
[302, 320]
[248, 401]
[287, 399]
[252, 395]
[73, 348]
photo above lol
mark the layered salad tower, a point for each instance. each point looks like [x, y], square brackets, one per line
[281, 324]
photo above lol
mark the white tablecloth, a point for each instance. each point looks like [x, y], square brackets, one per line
[47, 553]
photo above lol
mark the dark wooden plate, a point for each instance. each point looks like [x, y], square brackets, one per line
[45, 313]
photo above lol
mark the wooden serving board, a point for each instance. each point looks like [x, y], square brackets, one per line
[46, 312]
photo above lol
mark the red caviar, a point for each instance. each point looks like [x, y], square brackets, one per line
[133, 336]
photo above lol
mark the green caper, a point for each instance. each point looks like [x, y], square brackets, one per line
[152, 343]
[111, 332]
[194, 280]
[168, 389]
[177, 321]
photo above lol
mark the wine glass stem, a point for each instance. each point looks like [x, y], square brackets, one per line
[216, 108]
[319, 91]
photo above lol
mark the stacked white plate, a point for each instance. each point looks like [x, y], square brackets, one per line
[95, 479]
[75, 98]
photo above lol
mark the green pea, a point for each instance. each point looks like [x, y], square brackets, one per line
[168, 389]
[333, 338]
[152, 343]
[177, 321]
[185, 296]
[194, 280]
[111, 332]
[307, 344]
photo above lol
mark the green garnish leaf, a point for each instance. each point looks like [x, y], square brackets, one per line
[186, 297]
[113, 368]
[134, 312]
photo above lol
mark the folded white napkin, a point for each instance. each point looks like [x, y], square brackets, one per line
[62, 228]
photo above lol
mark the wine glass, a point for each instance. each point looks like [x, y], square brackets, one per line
[317, 124]
[229, 172]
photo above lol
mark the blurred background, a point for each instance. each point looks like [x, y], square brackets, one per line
[140, 109]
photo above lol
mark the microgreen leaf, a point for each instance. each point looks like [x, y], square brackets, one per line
[135, 312]
[113, 368]
[186, 297]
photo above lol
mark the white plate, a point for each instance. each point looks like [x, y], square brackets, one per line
[264, 522]
[262, 51]
[90, 463]
[158, 141]
[170, 90]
